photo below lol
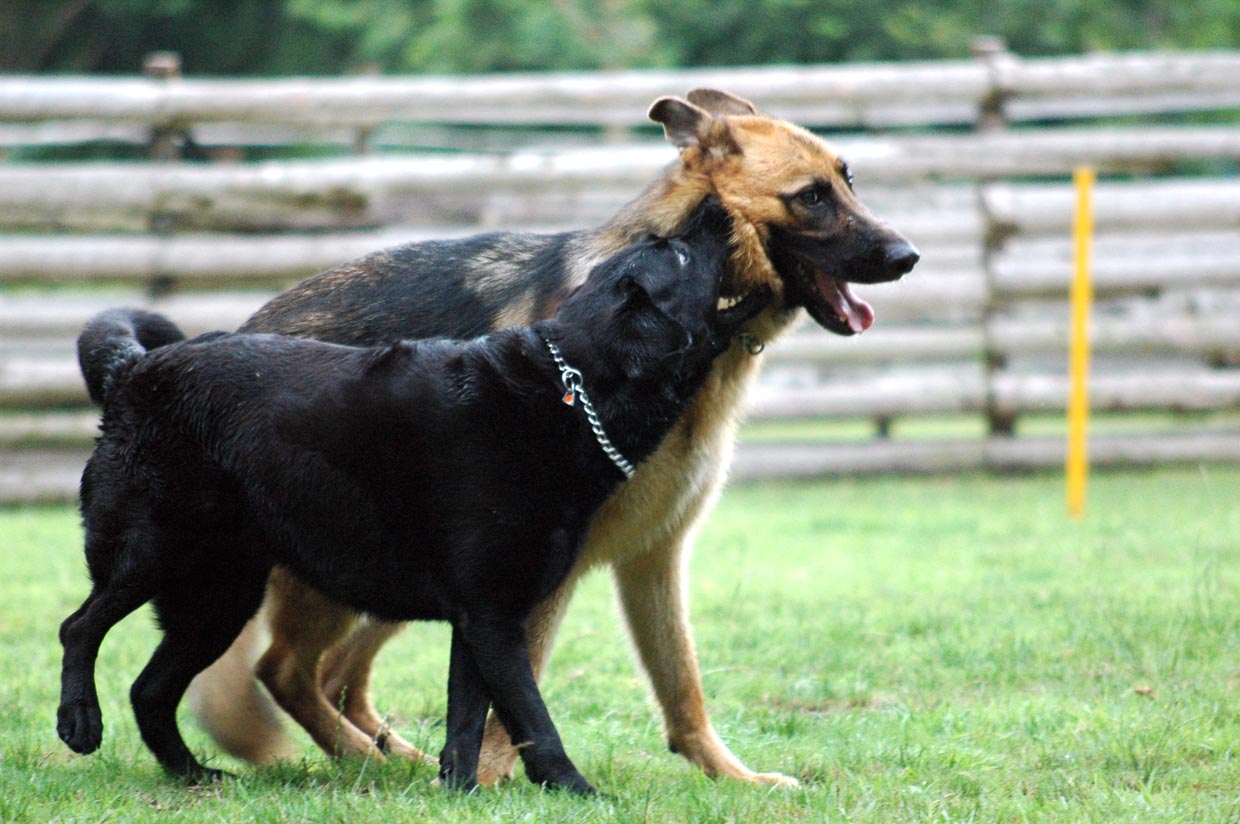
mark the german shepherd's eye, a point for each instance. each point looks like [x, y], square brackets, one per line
[810, 196]
[846, 173]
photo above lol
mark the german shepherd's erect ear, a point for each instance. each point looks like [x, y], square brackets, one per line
[683, 123]
[693, 122]
[721, 104]
[686, 125]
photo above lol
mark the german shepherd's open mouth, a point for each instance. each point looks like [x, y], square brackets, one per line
[818, 274]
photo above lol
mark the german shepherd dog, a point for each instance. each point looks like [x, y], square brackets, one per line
[464, 471]
[799, 230]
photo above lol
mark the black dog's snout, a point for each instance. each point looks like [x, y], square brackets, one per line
[901, 257]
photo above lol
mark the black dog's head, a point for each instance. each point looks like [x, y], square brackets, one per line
[659, 299]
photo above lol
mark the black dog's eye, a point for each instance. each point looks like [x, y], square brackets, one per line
[682, 258]
[810, 197]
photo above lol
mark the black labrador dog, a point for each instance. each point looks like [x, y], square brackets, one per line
[437, 479]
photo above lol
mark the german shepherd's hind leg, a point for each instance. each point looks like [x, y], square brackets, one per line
[652, 593]
[467, 714]
[200, 615]
[303, 624]
[344, 677]
[499, 652]
[498, 759]
[79, 722]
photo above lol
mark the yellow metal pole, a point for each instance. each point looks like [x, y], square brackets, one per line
[1077, 469]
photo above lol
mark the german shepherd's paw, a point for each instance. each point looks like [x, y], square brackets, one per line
[778, 779]
[80, 726]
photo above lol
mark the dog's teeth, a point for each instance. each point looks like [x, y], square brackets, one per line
[730, 302]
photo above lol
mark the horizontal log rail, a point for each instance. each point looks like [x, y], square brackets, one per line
[348, 188]
[842, 95]
[963, 390]
[1214, 336]
[51, 475]
[951, 278]
[33, 382]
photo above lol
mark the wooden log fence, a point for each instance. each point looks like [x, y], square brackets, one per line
[978, 329]
[863, 95]
[377, 191]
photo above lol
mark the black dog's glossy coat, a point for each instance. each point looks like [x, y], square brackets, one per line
[425, 480]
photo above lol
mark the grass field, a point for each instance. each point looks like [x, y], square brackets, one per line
[944, 649]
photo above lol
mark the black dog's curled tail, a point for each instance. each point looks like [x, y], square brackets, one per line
[115, 338]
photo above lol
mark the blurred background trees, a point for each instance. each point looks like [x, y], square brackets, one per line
[275, 37]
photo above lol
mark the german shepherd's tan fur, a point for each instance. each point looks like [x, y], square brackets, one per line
[799, 229]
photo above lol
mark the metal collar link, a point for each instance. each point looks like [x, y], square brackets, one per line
[751, 343]
[574, 387]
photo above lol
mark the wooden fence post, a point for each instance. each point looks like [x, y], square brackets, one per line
[363, 133]
[166, 143]
[992, 51]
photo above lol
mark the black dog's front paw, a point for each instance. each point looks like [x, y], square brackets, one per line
[565, 780]
[80, 727]
[457, 780]
[205, 775]
[577, 785]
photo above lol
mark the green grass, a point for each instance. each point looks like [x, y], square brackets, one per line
[944, 649]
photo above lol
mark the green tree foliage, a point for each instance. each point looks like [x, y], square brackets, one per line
[332, 36]
[734, 32]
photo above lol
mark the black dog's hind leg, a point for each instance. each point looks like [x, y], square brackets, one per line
[499, 652]
[467, 715]
[200, 617]
[79, 722]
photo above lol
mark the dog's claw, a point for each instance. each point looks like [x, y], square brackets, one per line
[80, 727]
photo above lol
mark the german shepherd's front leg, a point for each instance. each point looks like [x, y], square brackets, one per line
[290, 666]
[317, 668]
[653, 595]
[345, 679]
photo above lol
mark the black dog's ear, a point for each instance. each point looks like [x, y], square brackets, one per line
[633, 290]
[638, 298]
[391, 357]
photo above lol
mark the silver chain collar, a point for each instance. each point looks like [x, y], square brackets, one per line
[573, 388]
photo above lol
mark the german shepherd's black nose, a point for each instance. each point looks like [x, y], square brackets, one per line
[901, 257]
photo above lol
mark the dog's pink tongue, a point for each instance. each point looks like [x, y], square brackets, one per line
[854, 310]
